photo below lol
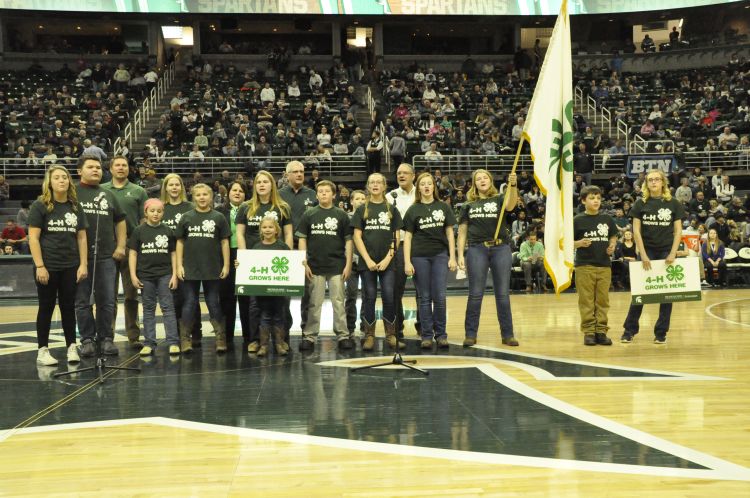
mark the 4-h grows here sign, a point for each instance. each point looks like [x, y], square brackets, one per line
[664, 283]
[269, 273]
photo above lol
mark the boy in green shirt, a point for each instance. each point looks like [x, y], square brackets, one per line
[595, 236]
[324, 234]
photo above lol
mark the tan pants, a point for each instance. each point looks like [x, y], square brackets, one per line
[592, 284]
[317, 295]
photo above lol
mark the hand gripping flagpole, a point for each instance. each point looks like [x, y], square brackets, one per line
[505, 195]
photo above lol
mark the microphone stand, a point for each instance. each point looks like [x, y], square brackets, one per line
[397, 358]
[100, 366]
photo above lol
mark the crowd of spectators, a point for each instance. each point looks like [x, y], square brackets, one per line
[223, 112]
[55, 116]
[677, 111]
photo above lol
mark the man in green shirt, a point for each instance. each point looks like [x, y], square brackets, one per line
[531, 255]
[131, 198]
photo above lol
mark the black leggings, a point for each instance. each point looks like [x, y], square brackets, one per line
[60, 289]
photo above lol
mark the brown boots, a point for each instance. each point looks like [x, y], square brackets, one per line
[368, 342]
[221, 337]
[186, 344]
[282, 348]
[390, 335]
[265, 336]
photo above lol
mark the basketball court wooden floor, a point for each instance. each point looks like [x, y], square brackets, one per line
[549, 418]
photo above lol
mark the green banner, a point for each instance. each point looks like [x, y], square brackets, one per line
[672, 297]
[268, 290]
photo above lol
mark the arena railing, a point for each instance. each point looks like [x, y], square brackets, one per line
[134, 129]
[337, 166]
[603, 163]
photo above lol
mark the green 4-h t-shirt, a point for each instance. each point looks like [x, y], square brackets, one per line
[252, 224]
[154, 245]
[101, 204]
[378, 229]
[599, 229]
[326, 231]
[59, 237]
[173, 213]
[657, 221]
[427, 224]
[481, 217]
[202, 234]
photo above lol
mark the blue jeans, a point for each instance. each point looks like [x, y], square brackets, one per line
[370, 293]
[271, 311]
[480, 259]
[91, 328]
[665, 309]
[431, 277]
[211, 291]
[153, 290]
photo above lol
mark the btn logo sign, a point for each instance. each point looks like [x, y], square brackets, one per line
[269, 273]
[643, 164]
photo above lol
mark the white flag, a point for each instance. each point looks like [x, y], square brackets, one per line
[549, 130]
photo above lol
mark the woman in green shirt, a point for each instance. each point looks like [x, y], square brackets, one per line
[429, 252]
[235, 197]
[57, 239]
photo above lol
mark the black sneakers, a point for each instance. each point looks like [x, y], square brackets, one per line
[305, 345]
[345, 343]
[109, 348]
[627, 337]
[602, 339]
[589, 340]
[88, 349]
[660, 339]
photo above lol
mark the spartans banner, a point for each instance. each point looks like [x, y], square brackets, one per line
[359, 7]
[270, 273]
[665, 283]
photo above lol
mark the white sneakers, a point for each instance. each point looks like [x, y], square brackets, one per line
[43, 357]
[73, 354]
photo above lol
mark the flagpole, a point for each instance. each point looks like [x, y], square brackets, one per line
[505, 195]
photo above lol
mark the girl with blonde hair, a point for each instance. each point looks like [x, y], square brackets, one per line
[202, 258]
[429, 253]
[487, 252]
[57, 239]
[377, 225]
[657, 229]
[265, 201]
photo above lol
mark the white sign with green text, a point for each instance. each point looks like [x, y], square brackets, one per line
[269, 273]
[664, 283]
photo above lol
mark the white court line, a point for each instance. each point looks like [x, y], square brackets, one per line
[713, 315]
[537, 372]
[679, 375]
[717, 469]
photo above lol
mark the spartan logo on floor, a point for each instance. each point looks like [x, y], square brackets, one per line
[505, 417]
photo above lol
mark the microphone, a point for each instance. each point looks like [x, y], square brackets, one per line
[394, 194]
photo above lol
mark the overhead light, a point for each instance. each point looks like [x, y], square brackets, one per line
[275, 29]
[78, 28]
[40, 26]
